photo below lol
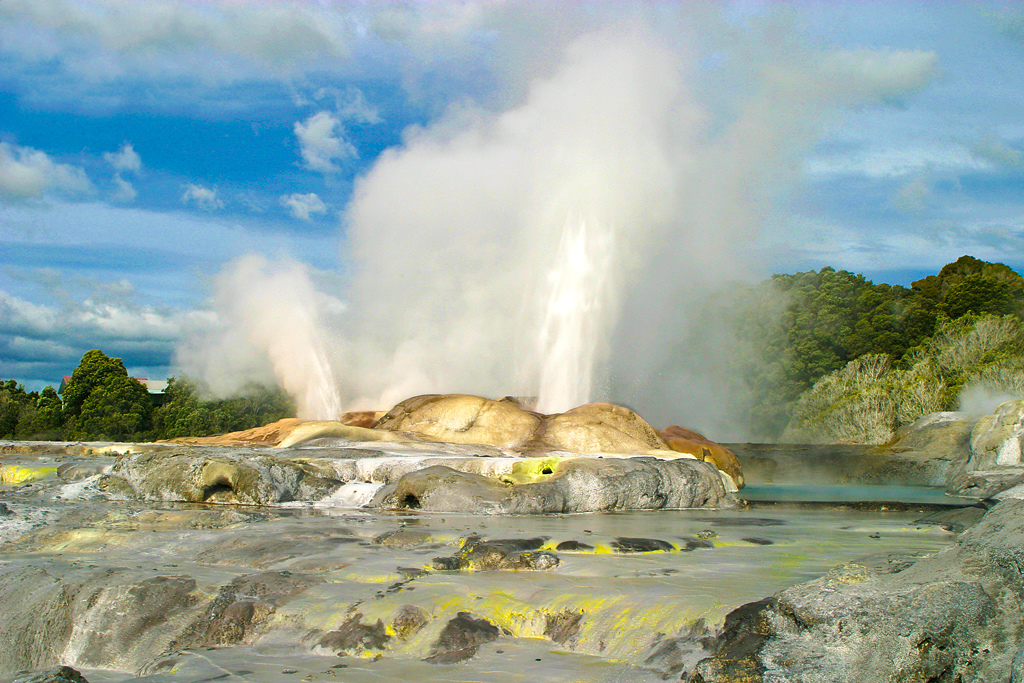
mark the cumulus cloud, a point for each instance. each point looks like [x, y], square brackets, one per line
[41, 343]
[302, 206]
[124, 159]
[124, 191]
[203, 197]
[322, 142]
[350, 104]
[27, 173]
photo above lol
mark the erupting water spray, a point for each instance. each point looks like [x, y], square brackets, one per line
[577, 306]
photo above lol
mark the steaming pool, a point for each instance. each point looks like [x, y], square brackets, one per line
[601, 615]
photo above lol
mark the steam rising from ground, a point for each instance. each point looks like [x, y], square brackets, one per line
[558, 247]
[269, 314]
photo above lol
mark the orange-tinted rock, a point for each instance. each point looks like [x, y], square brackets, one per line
[685, 440]
[361, 418]
[267, 435]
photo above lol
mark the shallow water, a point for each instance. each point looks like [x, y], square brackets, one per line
[630, 602]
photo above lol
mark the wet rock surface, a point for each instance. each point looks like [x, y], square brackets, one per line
[60, 674]
[992, 467]
[570, 484]
[118, 585]
[478, 554]
[461, 638]
[951, 616]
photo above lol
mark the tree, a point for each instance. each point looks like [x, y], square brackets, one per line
[49, 415]
[978, 294]
[118, 408]
[102, 401]
[17, 409]
[190, 411]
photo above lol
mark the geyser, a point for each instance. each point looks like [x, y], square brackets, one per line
[528, 250]
[576, 308]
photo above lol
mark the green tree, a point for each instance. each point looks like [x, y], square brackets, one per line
[978, 294]
[102, 401]
[17, 408]
[189, 410]
[49, 416]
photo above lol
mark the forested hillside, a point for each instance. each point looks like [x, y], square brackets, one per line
[837, 330]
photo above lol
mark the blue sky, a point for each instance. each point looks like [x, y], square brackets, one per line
[145, 147]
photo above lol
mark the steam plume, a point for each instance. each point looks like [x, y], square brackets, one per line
[563, 242]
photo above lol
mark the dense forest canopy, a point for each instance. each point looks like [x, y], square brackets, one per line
[101, 402]
[834, 358]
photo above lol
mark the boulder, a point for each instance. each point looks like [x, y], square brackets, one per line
[568, 485]
[226, 477]
[992, 467]
[599, 428]
[458, 418]
[461, 638]
[684, 440]
[478, 554]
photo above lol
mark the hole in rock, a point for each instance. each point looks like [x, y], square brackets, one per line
[546, 470]
[216, 491]
[410, 502]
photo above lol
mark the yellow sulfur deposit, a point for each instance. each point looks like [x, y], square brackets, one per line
[19, 474]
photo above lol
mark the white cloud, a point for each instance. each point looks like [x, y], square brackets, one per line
[275, 33]
[27, 173]
[124, 159]
[302, 206]
[321, 142]
[124, 191]
[878, 163]
[203, 197]
[350, 104]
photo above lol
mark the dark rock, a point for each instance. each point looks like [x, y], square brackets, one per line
[641, 545]
[736, 649]
[355, 638]
[573, 545]
[62, 674]
[243, 606]
[563, 627]
[758, 541]
[461, 638]
[478, 554]
[696, 544]
[410, 618]
[6, 511]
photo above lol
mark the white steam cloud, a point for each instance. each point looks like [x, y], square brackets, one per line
[557, 247]
[268, 317]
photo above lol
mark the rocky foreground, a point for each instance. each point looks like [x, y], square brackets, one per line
[248, 561]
